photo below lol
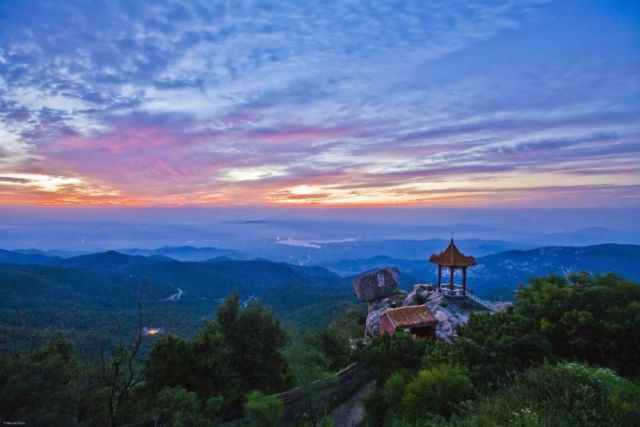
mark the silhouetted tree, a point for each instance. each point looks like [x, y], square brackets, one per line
[255, 338]
[43, 388]
[119, 373]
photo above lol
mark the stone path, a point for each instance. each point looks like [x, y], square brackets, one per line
[350, 413]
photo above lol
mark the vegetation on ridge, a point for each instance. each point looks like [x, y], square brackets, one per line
[565, 354]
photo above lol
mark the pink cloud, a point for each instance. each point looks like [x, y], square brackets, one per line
[165, 157]
[287, 133]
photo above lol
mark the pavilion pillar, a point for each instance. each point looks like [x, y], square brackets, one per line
[451, 270]
[439, 277]
[464, 280]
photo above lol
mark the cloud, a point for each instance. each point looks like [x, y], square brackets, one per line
[356, 102]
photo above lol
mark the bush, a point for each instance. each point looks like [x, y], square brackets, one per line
[438, 390]
[181, 409]
[583, 318]
[419, 299]
[567, 394]
[263, 411]
[384, 402]
[589, 396]
[334, 344]
[387, 354]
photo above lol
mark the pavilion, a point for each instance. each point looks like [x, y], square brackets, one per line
[452, 259]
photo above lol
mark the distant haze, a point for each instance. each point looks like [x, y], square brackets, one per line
[91, 229]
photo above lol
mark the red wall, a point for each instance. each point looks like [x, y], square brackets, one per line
[386, 327]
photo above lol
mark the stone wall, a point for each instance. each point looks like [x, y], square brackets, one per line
[320, 397]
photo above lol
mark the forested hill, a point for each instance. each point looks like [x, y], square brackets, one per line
[112, 278]
[495, 276]
[15, 257]
[498, 274]
[92, 297]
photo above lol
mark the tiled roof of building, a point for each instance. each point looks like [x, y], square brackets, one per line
[452, 257]
[411, 316]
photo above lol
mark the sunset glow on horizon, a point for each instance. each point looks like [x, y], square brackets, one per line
[481, 104]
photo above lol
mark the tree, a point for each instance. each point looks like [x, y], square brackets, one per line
[387, 354]
[493, 347]
[255, 339]
[119, 373]
[333, 342]
[238, 352]
[201, 365]
[43, 388]
[595, 319]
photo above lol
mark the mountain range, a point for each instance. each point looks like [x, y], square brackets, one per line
[496, 275]
[85, 295]
[307, 252]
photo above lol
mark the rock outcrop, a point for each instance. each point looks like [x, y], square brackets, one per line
[450, 312]
[379, 289]
[379, 306]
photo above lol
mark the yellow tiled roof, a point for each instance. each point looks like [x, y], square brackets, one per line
[413, 315]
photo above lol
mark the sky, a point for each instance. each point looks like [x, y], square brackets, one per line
[444, 104]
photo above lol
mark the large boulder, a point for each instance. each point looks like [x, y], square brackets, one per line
[376, 284]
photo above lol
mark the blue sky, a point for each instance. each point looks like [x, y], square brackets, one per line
[453, 103]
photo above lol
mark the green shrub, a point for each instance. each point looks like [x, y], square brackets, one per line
[419, 299]
[263, 411]
[438, 390]
[589, 396]
[567, 394]
[387, 354]
[180, 408]
[385, 401]
[582, 318]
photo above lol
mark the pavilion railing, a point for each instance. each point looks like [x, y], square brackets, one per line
[482, 302]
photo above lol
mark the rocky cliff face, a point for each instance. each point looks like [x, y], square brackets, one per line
[450, 313]
[379, 289]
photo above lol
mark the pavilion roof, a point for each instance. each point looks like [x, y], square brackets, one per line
[452, 257]
[411, 316]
